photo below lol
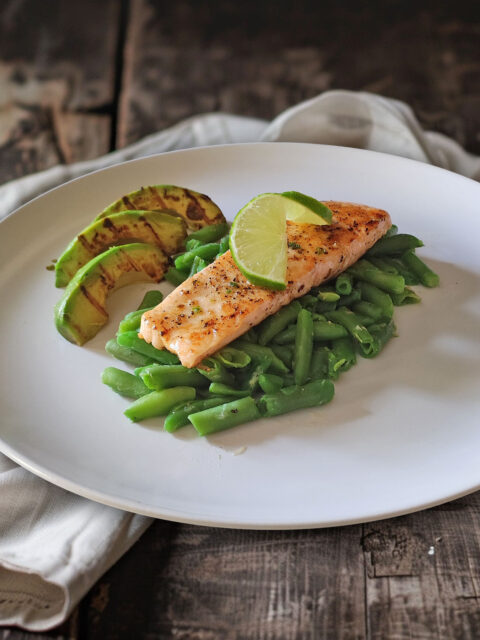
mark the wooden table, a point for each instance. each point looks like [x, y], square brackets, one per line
[78, 79]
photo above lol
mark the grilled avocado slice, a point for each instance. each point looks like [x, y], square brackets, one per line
[196, 209]
[81, 312]
[153, 227]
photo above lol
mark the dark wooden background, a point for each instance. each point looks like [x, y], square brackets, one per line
[80, 78]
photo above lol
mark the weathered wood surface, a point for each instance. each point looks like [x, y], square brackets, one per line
[68, 92]
[257, 59]
[57, 68]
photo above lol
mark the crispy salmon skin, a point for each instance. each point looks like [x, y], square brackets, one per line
[218, 304]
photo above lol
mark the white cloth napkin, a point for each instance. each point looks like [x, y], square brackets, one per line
[55, 545]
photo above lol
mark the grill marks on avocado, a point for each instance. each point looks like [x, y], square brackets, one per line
[197, 209]
[152, 227]
[82, 312]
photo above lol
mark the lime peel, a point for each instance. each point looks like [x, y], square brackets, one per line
[311, 205]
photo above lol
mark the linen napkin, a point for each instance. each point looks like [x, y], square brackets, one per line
[54, 545]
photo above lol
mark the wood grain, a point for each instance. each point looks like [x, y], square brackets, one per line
[414, 577]
[423, 573]
[57, 60]
[257, 59]
[203, 583]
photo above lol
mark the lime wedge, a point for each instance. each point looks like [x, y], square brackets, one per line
[258, 240]
[306, 209]
[258, 237]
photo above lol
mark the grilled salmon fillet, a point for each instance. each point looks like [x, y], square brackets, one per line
[218, 304]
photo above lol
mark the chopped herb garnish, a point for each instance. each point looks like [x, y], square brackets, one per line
[294, 245]
[196, 309]
[320, 250]
[233, 284]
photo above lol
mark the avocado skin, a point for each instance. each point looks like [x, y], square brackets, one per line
[197, 209]
[153, 227]
[81, 311]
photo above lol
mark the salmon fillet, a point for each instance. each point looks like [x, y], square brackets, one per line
[218, 304]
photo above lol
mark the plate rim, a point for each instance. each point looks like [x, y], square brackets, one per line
[180, 516]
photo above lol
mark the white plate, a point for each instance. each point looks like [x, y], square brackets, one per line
[401, 434]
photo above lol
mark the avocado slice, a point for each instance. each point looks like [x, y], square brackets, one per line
[81, 312]
[153, 227]
[196, 209]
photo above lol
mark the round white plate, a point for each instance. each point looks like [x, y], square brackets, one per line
[402, 433]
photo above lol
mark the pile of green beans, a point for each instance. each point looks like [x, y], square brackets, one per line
[287, 362]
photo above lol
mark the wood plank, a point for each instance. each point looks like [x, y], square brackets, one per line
[257, 59]
[423, 573]
[81, 136]
[195, 582]
[50, 69]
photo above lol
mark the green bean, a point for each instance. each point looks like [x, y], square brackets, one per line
[127, 355]
[251, 336]
[220, 389]
[333, 365]
[394, 245]
[328, 296]
[322, 330]
[224, 416]
[270, 383]
[319, 363]
[214, 371]
[303, 347]
[308, 301]
[352, 324]
[408, 296]
[178, 416]
[427, 277]
[344, 354]
[124, 383]
[158, 403]
[351, 298]
[296, 397]
[373, 294]
[249, 379]
[392, 231]
[223, 246]
[366, 321]
[344, 284]
[388, 282]
[197, 265]
[233, 358]
[131, 340]
[277, 322]
[257, 352]
[381, 333]
[284, 352]
[210, 233]
[409, 277]
[131, 322]
[175, 276]
[150, 300]
[158, 376]
[364, 308]
[206, 251]
[192, 243]
[325, 306]
[383, 265]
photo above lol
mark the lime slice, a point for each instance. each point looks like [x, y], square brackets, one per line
[306, 209]
[258, 240]
[258, 237]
